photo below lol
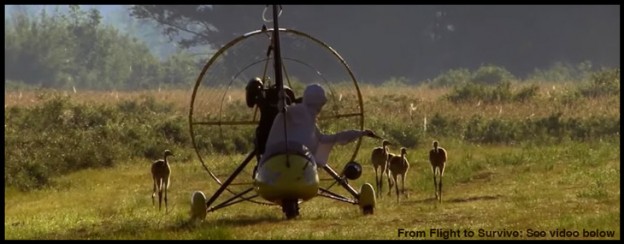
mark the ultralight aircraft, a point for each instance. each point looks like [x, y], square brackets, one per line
[285, 179]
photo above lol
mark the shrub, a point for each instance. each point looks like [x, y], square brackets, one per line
[526, 93]
[452, 77]
[471, 92]
[467, 92]
[396, 82]
[491, 75]
[57, 137]
[603, 82]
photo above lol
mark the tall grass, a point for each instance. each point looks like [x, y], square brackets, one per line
[57, 133]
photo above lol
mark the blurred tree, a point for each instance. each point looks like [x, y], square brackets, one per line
[65, 50]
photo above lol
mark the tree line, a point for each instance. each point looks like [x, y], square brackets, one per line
[75, 50]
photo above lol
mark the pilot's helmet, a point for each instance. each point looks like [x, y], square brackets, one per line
[253, 88]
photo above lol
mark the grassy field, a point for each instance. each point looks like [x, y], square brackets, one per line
[565, 189]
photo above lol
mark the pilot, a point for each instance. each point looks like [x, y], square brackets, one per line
[267, 101]
[301, 129]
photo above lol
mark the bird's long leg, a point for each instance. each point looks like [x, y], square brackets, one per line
[403, 183]
[377, 182]
[390, 182]
[441, 177]
[396, 186]
[154, 193]
[440, 198]
[166, 186]
[160, 194]
[381, 180]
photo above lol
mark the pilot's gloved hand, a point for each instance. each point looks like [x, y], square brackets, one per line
[372, 134]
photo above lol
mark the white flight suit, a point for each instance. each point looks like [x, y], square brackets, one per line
[301, 128]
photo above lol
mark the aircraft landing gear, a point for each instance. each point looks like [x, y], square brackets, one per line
[198, 206]
[366, 210]
[290, 207]
[367, 199]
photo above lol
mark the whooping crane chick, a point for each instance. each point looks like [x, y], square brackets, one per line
[160, 174]
[398, 165]
[390, 182]
[379, 158]
[437, 157]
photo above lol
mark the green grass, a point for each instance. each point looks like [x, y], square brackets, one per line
[570, 185]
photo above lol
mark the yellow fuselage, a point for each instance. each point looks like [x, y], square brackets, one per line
[287, 176]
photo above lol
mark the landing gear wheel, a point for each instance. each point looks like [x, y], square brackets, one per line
[198, 206]
[367, 199]
[290, 207]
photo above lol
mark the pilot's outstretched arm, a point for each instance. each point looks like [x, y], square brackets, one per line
[327, 142]
[340, 138]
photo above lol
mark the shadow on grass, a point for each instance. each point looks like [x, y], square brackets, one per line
[470, 199]
[459, 200]
[101, 231]
[245, 220]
